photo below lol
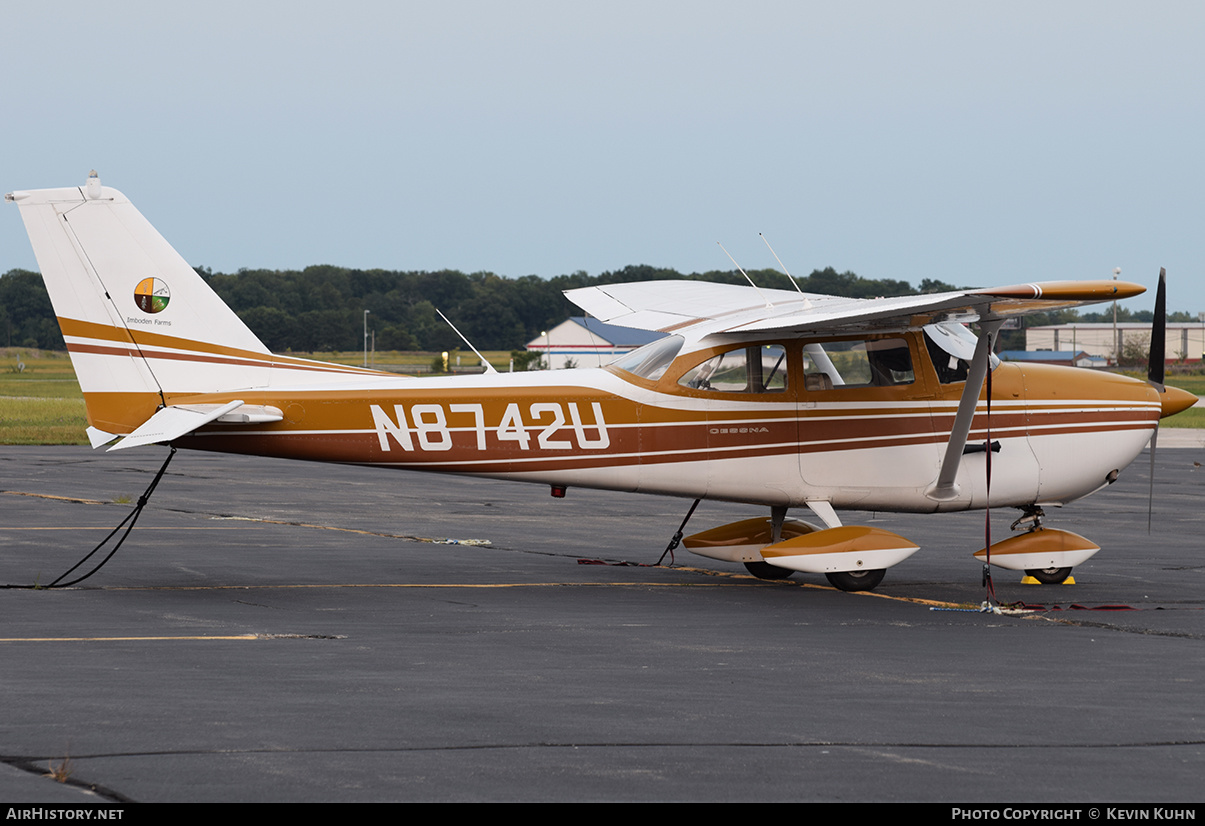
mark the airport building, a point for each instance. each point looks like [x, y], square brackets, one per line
[1066, 358]
[586, 342]
[1185, 340]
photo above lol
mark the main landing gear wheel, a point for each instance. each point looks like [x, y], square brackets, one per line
[856, 580]
[1049, 576]
[764, 570]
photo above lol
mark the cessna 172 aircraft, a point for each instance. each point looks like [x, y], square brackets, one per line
[769, 397]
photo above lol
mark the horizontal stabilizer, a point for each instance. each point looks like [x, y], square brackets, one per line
[247, 414]
[99, 437]
[173, 422]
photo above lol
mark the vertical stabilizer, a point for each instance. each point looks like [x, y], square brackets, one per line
[139, 322]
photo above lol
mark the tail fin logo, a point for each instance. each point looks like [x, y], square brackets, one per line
[152, 295]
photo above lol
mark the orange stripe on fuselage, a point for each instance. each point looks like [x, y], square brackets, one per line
[198, 358]
[106, 332]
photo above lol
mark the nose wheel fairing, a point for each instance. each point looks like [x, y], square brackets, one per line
[1040, 549]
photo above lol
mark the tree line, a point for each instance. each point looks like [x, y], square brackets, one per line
[321, 308]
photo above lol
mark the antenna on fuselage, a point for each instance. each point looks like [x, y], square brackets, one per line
[489, 368]
[594, 340]
[747, 278]
[779, 260]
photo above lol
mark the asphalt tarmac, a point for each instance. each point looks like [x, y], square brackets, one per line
[276, 631]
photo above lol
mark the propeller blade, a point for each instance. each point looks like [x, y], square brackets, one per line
[1158, 354]
[1154, 374]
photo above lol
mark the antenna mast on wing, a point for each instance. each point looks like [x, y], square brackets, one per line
[747, 278]
[489, 368]
[779, 260]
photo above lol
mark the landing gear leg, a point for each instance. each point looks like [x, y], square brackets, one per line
[778, 515]
[1031, 515]
[764, 570]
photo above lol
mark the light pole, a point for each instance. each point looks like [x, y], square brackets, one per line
[366, 312]
[1116, 343]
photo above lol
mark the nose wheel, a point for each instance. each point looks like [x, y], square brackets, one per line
[1049, 576]
[1046, 554]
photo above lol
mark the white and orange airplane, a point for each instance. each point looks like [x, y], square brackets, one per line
[768, 397]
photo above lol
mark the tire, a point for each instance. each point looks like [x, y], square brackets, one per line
[856, 580]
[764, 570]
[1049, 576]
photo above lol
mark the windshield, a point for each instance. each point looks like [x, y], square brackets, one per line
[651, 360]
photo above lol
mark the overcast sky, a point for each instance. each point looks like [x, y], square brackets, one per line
[970, 142]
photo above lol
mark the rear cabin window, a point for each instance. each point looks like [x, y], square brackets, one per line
[869, 363]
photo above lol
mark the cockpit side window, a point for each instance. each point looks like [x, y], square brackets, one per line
[867, 363]
[949, 367]
[749, 369]
[951, 347]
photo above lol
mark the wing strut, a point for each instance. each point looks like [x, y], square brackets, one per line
[945, 488]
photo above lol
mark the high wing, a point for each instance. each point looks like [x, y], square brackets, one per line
[672, 306]
[706, 309]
